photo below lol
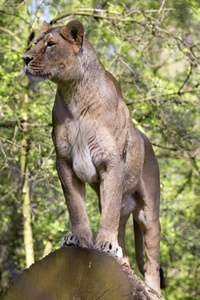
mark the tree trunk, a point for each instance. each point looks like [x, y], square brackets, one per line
[79, 273]
[28, 236]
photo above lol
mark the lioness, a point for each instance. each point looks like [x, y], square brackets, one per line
[96, 142]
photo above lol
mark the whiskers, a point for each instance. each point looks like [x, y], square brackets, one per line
[39, 76]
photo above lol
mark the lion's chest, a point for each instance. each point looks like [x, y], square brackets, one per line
[83, 165]
[81, 142]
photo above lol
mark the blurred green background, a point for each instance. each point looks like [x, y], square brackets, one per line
[153, 49]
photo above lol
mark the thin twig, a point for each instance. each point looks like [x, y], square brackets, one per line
[44, 162]
[162, 6]
[14, 137]
[186, 80]
[10, 142]
[18, 40]
[163, 147]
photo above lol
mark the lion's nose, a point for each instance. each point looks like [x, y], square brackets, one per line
[27, 59]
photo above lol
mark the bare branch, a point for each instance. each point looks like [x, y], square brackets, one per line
[14, 137]
[186, 80]
[18, 40]
[16, 15]
[44, 162]
[162, 6]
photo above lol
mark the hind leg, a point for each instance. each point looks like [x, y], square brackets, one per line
[151, 234]
[147, 216]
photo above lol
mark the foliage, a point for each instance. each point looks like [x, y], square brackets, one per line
[152, 48]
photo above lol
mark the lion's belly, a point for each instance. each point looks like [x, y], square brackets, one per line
[128, 205]
[82, 162]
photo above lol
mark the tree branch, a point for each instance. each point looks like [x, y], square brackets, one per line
[165, 95]
[104, 14]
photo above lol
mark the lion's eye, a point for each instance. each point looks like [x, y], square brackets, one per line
[50, 43]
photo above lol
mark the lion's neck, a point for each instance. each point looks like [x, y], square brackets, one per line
[79, 94]
[77, 102]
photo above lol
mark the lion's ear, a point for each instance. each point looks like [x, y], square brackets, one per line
[45, 26]
[73, 32]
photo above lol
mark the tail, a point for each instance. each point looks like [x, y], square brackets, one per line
[139, 247]
[139, 253]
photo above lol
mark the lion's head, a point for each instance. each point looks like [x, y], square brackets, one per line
[56, 53]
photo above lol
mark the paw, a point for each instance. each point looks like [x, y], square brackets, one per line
[76, 241]
[114, 249]
[71, 240]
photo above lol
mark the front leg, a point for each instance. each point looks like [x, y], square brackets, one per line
[74, 191]
[110, 196]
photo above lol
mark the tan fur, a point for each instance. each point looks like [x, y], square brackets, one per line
[96, 143]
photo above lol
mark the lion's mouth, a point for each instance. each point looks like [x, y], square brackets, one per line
[39, 76]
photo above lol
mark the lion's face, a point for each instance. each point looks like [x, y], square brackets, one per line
[55, 54]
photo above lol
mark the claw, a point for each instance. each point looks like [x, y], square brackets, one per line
[114, 249]
[70, 240]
